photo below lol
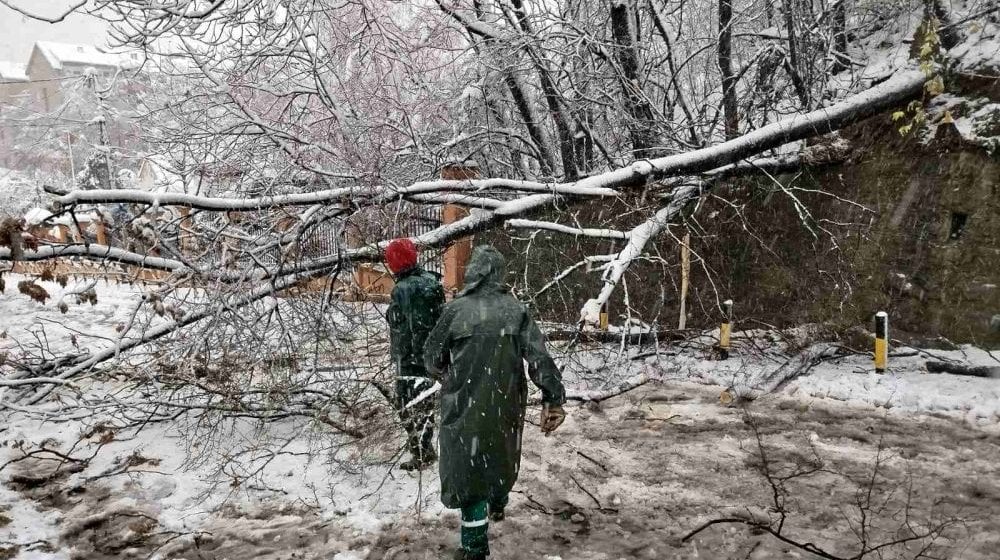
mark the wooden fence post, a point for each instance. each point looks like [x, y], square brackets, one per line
[725, 329]
[102, 232]
[685, 279]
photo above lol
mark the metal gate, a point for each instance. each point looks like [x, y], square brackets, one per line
[424, 219]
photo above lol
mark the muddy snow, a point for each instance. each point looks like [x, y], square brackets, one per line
[840, 458]
[627, 478]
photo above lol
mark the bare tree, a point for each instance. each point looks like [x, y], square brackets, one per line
[299, 137]
[731, 117]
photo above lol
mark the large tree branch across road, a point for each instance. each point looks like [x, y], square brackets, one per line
[880, 98]
[890, 93]
[533, 198]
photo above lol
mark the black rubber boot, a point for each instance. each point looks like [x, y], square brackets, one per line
[462, 554]
[429, 457]
[413, 464]
[419, 460]
[497, 506]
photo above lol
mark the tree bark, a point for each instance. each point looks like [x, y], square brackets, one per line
[641, 124]
[729, 107]
[962, 369]
[841, 61]
[661, 28]
[946, 31]
[792, 62]
[531, 122]
[571, 167]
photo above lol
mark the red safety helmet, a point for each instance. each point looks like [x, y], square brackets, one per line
[401, 255]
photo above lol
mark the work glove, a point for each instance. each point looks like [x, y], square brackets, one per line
[552, 417]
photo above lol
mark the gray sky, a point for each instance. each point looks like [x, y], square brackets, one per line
[18, 33]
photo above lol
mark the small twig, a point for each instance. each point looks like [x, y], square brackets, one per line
[27, 545]
[585, 491]
[658, 419]
[592, 460]
[969, 18]
[539, 506]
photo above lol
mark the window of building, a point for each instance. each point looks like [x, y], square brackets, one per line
[958, 221]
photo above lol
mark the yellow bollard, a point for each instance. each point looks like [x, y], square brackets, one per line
[725, 330]
[881, 341]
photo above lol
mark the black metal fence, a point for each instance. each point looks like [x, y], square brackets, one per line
[424, 219]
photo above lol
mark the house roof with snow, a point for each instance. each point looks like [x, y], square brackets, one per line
[58, 54]
[13, 71]
[157, 174]
[36, 216]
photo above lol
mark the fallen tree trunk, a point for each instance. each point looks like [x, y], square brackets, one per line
[347, 196]
[962, 369]
[888, 94]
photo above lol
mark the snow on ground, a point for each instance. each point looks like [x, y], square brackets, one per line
[18, 192]
[170, 477]
[27, 525]
[980, 51]
[186, 498]
[93, 326]
[623, 479]
[906, 386]
[629, 475]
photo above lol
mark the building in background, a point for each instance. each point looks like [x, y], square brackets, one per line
[50, 65]
[13, 87]
[54, 106]
[13, 80]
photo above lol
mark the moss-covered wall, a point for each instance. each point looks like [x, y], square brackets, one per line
[878, 237]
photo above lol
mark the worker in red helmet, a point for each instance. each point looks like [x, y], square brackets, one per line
[415, 306]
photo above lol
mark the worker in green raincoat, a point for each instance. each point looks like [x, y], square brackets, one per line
[478, 351]
[414, 308]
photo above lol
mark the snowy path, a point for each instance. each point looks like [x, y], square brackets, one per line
[905, 386]
[656, 462]
[630, 478]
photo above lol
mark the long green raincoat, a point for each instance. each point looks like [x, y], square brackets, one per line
[478, 350]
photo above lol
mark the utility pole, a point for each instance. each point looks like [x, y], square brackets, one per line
[104, 147]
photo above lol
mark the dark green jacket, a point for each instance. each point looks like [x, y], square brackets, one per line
[478, 350]
[414, 308]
